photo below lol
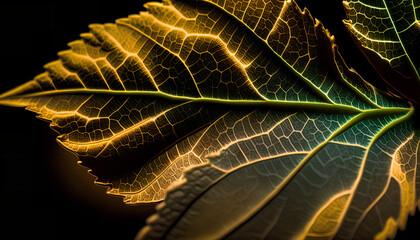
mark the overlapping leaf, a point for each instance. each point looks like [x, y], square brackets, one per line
[256, 87]
[388, 33]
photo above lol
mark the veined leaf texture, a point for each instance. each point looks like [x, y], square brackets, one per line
[277, 137]
[388, 33]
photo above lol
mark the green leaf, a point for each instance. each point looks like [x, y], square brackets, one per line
[388, 33]
[289, 141]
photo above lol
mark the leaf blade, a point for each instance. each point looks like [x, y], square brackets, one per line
[148, 56]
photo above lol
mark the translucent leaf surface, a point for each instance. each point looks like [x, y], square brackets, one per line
[289, 141]
[344, 190]
[388, 33]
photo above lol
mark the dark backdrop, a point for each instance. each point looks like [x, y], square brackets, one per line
[45, 193]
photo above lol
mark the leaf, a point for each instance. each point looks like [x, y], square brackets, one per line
[388, 33]
[138, 100]
[258, 89]
[346, 191]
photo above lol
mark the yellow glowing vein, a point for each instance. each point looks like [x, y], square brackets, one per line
[89, 59]
[62, 68]
[324, 206]
[349, 144]
[213, 37]
[230, 144]
[361, 35]
[363, 163]
[357, 91]
[379, 197]
[116, 74]
[246, 8]
[250, 137]
[166, 49]
[118, 44]
[129, 129]
[372, 39]
[367, 5]
[163, 171]
[411, 25]
[308, 83]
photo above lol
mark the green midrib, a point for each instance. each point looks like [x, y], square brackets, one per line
[8, 99]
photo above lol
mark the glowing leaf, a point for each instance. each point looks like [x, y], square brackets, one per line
[388, 33]
[281, 138]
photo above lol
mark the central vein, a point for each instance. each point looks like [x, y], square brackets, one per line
[270, 104]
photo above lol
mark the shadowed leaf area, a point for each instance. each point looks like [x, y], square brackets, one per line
[243, 117]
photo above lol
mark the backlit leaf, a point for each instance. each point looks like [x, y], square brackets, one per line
[388, 33]
[281, 138]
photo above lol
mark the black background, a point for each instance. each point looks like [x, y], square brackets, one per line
[45, 193]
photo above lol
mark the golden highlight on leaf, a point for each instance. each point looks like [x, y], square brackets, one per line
[243, 117]
[327, 220]
[403, 170]
[136, 100]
